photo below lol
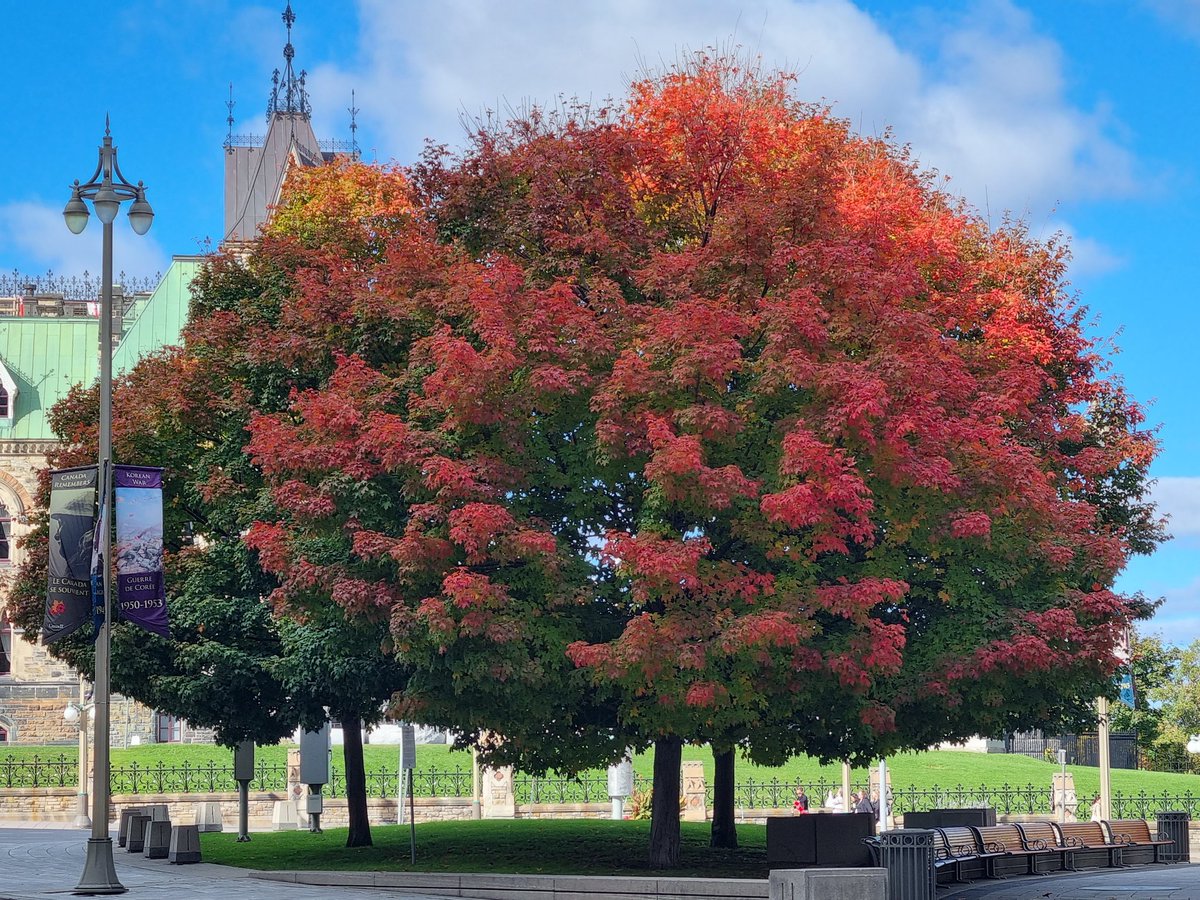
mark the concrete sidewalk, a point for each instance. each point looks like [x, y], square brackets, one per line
[45, 862]
[1176, 882]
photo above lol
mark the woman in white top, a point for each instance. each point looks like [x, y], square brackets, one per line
[835, 801]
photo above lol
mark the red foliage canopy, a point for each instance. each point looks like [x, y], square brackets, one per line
[771, 439]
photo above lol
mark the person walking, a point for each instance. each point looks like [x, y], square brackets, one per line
[864, 804]
[835, 801]
[800, 804]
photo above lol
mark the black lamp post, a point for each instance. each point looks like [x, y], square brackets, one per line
[106, 189]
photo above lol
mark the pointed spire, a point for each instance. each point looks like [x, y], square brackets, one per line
[294, 101]
[354, 111]
[229, 105]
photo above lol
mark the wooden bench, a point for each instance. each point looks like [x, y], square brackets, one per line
[1138, 845]
[1044, 836]
[956, 849]
[1091, 844]
[1009, 841]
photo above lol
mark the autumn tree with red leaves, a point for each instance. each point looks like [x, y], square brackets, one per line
[700, 419]
[786, 449]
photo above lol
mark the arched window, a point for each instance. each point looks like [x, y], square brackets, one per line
[6, 638]
[3, 735]
[4, 403]
[5, 535]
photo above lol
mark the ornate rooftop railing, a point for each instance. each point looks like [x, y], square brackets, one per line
[76, 288]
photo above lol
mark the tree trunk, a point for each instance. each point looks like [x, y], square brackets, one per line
[664, 813]
[724, 831]
[356, 783]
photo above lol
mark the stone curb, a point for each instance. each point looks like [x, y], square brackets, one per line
[487, 886]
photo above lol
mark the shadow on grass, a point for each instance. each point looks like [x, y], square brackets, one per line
[522, 846]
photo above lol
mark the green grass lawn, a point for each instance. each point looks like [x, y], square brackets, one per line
[525, 846]
[923, 771]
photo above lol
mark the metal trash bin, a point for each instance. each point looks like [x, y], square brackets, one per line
[907, 854]
[1174, 826]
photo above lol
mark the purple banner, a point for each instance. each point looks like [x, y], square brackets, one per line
[72, 523]
[141, 598]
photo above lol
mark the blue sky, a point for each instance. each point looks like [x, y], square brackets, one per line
[1079, 116]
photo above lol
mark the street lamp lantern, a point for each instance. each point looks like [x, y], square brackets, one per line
[140, 213]
[76, 212]
[107, 188]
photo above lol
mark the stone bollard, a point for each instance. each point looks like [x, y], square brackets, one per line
[208, 816]
[907, 854]
[1173, 826]
[123, 829]
[828, 884]
[159, 812]
[158, 840]
[139, 824]
[284, 816]
[185, 844]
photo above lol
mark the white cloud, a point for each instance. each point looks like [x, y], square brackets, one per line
[990, 109]
[35, 238]
[995, 117]
[1089, 257]
[1178, 619]
[1184, 14]
[1179, 498]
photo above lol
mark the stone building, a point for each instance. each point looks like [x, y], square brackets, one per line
[49, 338]
[49, 342]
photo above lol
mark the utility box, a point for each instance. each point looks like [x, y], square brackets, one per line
[314, 756]
[408, 748]
[243, 761]
[314, 804]
[620, 779]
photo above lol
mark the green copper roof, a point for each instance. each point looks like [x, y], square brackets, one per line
[160, 320]
[45, 357]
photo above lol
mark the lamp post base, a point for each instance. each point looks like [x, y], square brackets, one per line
[99, 872]
[82, 819]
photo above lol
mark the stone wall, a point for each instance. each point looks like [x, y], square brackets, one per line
[34, 711]
[59, 804]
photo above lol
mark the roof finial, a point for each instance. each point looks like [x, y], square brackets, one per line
[353, 110]
[229, 105]
[107, 130]
[295, 97]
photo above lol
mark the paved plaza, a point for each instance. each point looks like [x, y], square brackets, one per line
[1175, 882]
[37, 863]
[42, 863]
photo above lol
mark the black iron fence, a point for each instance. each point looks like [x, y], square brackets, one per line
[1169, 759]
[1082, 749]
[1007, 799]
